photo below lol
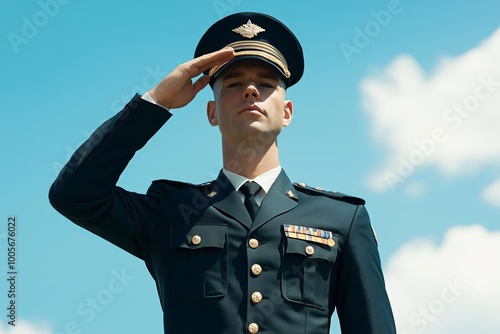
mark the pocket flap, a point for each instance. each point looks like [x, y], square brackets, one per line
[198, 236]
[311, 249]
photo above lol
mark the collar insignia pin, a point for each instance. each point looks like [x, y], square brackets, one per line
[248, 30]
[212, 194]
[290, 193]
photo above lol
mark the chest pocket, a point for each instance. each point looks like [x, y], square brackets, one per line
[307, 267]
[199, 261]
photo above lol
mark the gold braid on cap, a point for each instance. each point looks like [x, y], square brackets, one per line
[256, 48]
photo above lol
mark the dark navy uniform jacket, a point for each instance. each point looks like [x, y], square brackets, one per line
[216, 271]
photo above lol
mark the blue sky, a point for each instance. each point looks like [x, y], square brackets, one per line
[379, 77]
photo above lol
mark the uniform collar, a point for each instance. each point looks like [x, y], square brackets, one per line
[265, 180]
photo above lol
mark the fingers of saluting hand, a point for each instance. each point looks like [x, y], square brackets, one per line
[200, 84]
[196, 66]
[176, 89]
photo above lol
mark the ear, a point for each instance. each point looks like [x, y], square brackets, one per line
[212, 113]
[287, 113]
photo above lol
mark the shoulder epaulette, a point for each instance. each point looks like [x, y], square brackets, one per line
[179, 184]
[300, 186]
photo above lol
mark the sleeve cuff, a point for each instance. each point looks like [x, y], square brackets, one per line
[148, 98]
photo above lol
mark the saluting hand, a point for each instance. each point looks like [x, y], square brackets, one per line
[177, 89]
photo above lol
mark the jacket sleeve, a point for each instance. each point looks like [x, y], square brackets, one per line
[85, 190]
[363, 305]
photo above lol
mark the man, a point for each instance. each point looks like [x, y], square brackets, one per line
[248, 252]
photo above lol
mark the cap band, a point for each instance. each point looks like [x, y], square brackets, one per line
[256, 48]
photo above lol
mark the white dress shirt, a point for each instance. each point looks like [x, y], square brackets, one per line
[264, 180]
[148, 98]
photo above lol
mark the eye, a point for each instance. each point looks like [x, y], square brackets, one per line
[234, 84]
[266, 85]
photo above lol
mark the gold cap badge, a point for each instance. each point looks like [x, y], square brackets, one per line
[248, 30]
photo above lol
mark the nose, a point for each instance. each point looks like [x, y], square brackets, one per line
[251, 91]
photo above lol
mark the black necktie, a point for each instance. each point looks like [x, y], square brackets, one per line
[249, 189]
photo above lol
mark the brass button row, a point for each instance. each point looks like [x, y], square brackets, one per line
[253, 328]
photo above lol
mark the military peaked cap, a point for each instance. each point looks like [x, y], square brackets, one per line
[257, 36]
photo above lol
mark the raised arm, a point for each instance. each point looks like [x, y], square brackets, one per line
[85, 190]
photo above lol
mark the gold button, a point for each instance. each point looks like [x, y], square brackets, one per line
[318, 188]
[253, 328]
[301, 184]
[256, 269]
[331, 242]
[253, 243]
[256, 297]
[196, 239]
[309, 250]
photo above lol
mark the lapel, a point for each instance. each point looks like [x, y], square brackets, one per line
[222, 195]
[280, 198]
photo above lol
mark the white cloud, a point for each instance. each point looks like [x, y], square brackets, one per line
[24, 327]
[447, 289]
[492, 193]
[448, 119]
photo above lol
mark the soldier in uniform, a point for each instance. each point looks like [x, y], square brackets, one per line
[249, 252]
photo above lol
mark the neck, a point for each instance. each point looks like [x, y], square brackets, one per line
[250, 160]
